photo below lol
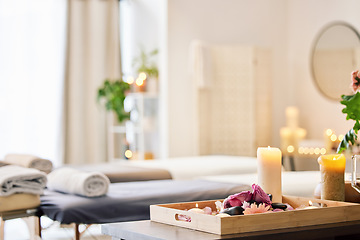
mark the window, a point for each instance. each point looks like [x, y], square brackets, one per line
[32, 61]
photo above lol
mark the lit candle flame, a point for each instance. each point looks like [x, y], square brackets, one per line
[130, 80]
[333, 137]
[310, 203]
[329, 132]
[142, 76]
[139, 82]
[128, 154]
[290, 148]
[196, 205]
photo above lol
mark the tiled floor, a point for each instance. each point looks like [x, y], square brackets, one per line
[16, 229]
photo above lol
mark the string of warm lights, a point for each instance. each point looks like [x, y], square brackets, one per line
[332, 141]
[332, 136]
[139, 81]
[311, 150]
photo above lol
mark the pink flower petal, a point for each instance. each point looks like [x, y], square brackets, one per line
[245, 205]
[237, 199]
[289, 207]
[355, 75]
[259, 195]
[208, 210]
[277, 210]
[219, 206]
[184, 218]
[253, 209]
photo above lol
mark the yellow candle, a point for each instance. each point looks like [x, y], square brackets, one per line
[332, 168]
[269, 171]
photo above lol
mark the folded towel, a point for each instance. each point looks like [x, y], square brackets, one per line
[73, 181]
[19, 201]
[17, 179]
[2, 163]
[29, 161]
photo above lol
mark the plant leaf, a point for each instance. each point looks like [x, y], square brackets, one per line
[350, 137]
[114, 93]
[352, 106]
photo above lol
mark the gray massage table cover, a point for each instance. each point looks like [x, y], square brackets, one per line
[130, 201]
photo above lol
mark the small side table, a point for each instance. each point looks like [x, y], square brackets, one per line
[149, 230]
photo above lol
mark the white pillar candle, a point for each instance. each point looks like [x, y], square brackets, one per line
[269, 171]
[292, 117]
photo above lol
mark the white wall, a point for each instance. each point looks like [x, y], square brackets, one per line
[248, 22]
[140, 24]
[288, 27]
[306, 18]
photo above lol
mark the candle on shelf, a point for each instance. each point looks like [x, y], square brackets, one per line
[292, 134]
[196, 209]
[332, 168]
[269, 171]
[292, 116]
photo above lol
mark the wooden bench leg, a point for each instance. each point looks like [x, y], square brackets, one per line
[2, 228]
[77, 232]
[34, 226]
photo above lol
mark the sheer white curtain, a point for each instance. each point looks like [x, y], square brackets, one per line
[32, 51]
[93, 55]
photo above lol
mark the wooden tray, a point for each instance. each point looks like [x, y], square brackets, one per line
[331, 212]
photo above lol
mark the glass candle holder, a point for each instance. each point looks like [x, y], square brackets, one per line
[332, 168]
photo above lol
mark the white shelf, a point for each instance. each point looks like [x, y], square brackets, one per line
[117, 129]
[141, 131]
[143, 95]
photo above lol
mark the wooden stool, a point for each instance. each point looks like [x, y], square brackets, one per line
[28, 215]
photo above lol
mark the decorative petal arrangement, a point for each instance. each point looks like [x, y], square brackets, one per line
[243, 203]
[261, 208]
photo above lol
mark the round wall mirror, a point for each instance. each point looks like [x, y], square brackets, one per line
[336, 53]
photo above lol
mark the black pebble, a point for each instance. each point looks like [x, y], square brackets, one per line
[278, 205]
[270, 196]
[233, 210]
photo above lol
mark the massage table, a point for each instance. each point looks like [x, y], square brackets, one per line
[180, 168]
[130, 201]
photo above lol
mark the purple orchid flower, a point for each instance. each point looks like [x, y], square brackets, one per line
[259, 195]
[237, 199]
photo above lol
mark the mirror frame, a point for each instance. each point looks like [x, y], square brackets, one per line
[315, 43]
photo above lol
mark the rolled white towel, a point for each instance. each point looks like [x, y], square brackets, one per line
[73, 181]
[29, 161]
[17, 179]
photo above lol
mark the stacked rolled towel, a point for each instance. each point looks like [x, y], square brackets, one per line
[73, 181]
[17, 179]
[29, 161]
[2, 163]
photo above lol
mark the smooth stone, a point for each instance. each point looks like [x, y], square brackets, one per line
[279, 205]
[270, 196]
[233, 210]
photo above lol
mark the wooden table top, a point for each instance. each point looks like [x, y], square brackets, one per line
[149, 230]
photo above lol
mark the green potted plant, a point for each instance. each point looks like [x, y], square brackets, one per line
[145, 65]
[114, 93]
